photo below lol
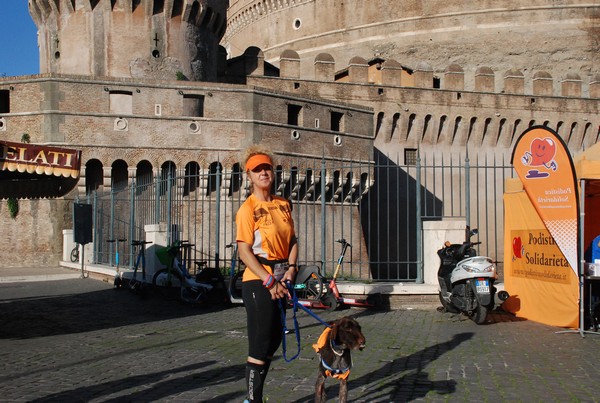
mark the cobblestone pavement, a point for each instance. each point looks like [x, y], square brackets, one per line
[80, 340]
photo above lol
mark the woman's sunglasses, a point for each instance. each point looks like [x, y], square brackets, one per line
[262, 167]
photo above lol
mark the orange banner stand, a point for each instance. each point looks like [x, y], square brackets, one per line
[542, 264]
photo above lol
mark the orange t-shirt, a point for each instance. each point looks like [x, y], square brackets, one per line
[268, 227]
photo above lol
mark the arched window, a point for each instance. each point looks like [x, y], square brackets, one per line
[119, 175]
[94, 176]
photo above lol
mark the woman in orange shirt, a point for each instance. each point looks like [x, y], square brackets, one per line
[267, 245]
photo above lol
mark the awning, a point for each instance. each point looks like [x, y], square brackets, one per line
[30, 171]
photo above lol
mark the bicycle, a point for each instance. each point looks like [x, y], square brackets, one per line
[175, 278]
[134, 284]
[75, 254]
[118, 281]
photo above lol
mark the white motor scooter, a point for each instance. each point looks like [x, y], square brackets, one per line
[467, 280]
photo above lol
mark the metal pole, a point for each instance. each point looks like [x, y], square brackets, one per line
[131, 221]
[581, 268]
[420, 267]
[96, 238]
[467, 194]
[170, 237]
[156, 200]
[323, 219]
[111, 229]
[218, 217]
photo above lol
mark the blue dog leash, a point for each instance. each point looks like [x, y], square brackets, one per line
[295, 305]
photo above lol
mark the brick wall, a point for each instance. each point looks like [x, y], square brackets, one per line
[34, 237]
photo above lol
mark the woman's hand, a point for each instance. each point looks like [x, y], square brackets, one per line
[289, 275]
[278, 291]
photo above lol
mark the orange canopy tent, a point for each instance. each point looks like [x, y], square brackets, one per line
[587, 166]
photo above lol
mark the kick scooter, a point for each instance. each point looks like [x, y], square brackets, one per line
[372, 301]
[118, 281]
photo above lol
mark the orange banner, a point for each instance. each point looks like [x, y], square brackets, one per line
[545, 167]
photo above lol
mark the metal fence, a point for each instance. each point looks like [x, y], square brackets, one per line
[378, 207]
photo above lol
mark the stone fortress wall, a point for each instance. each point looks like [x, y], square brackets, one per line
[436, 73]
[532, 36]
[422, 109]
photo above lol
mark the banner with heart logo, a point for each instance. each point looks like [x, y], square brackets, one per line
[544, 165]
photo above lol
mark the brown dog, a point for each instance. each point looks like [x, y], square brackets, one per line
[334, 348]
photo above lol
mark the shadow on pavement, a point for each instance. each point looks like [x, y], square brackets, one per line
[414, 362]
[164, 384]
[417, 382]
[40, 309]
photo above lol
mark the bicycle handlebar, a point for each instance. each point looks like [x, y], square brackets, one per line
[343, 242]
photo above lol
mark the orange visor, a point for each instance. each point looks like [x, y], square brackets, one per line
[257, 160]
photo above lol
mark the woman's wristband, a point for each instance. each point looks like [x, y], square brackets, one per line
[269, 282]
[293, 265]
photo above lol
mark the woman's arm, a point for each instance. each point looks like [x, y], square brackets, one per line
[290, 275]
[252, 263]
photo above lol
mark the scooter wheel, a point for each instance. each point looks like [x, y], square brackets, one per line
[480, 314]
[331, 302]
[448, 307]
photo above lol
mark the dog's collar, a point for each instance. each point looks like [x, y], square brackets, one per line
[336, 372]
[337, 350]
[340, 373]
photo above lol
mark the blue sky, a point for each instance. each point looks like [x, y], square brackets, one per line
[18, 33]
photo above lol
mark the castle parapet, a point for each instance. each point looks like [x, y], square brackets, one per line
[358, 70]
[595, 87]
[423, 75]
[484, 80]
[543, 84]
[324, 67]
[289, 64]
[454, 78]
[514, 82]
[571, 86]
[390, 72]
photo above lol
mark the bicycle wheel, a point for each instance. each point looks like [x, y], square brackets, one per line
[311, 289]
[75, 254]
[167, 285]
